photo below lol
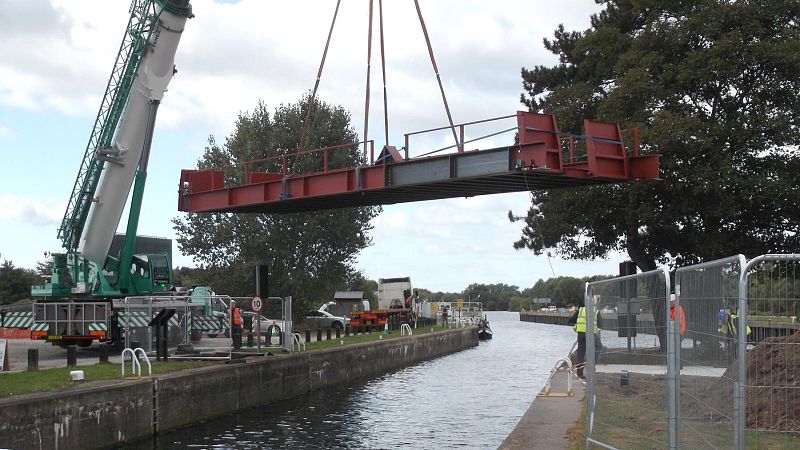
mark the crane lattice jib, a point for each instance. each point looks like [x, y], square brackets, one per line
[144, 14]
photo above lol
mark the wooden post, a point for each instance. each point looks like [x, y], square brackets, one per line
[33, 358]
[103, 353]
[72, 356]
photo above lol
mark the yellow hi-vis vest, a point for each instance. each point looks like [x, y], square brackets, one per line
[732, 325]
[580, 323]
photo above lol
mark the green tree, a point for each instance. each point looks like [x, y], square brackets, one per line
[438, 296]
[562, 291]
[44, 268]
[714, 87]
[358, 282]
[15, 282]
[495, 297]
[518, 303]
[310, 255]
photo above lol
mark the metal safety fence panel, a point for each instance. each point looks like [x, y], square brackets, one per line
[706, 297]
[137, 312]
[770, 289]
[628, 367]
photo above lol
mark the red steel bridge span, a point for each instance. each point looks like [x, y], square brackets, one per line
[545, 158]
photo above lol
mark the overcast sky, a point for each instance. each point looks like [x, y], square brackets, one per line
[57, 56]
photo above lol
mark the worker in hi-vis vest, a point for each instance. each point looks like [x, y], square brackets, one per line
[578, 320]
[729, 327]
[236, 327]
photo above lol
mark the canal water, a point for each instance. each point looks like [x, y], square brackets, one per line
[471, 399]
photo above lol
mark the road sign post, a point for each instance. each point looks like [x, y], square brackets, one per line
[256, 306]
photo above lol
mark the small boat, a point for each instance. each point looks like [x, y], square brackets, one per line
[484, 331]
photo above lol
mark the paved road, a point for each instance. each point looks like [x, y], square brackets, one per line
[54, 356]
[51, 355]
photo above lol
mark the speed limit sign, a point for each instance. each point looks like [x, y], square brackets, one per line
[256, 304]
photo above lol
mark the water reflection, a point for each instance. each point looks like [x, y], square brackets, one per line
[471, 399]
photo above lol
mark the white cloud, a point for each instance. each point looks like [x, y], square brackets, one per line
[233, 54]
[25, 211]
[57, 56]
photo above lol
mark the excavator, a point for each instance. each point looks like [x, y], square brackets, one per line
[75, 305]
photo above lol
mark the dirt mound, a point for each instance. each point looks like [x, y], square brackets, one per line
[773, 374]
[773, 395]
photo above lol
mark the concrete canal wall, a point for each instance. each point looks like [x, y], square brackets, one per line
[644, 322]
[117, 412]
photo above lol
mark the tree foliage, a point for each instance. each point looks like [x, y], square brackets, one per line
[714, 87]
[15, 282]
[495, 297]
[311, 254]
[562, 291]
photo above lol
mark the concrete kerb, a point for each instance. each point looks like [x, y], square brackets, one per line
[546, 422]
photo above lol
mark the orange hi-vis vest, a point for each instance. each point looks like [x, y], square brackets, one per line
[682, 325]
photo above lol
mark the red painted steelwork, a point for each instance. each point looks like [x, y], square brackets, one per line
[597, 157]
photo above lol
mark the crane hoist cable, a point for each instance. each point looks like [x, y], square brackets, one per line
[383, 72]
[436, 71]
[369, 66]
[383, 69]
[312, 100]
[307, 121]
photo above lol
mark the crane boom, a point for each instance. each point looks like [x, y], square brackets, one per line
[116, 159]
[127, 153]
[137, 34]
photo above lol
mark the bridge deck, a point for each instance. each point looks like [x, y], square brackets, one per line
[536, 163]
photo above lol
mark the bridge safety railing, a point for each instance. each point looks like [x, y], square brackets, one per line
[311, 161]
[572, 146]
[283, 164]
[462, 139]
[627, 356]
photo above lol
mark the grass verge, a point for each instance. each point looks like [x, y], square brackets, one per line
[16, 383]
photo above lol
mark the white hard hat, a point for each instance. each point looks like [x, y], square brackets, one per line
[672, 297]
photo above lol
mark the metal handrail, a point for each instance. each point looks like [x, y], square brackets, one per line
[406, 328]
[138, 350]
[300, 341]
[461, 141]
[558, 367]
[324, 150]
[572, 138]
[134, 362]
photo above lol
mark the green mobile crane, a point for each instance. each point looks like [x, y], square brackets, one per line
[76, 303]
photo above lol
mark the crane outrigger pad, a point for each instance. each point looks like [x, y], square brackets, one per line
[535, 163]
